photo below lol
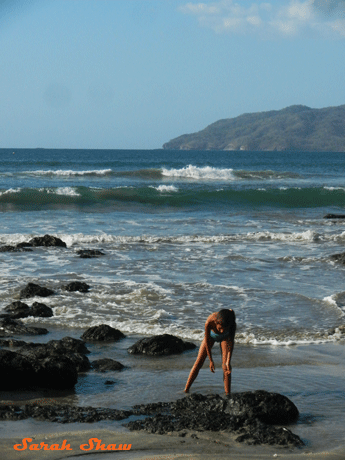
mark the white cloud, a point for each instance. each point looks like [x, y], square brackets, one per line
[289, 18]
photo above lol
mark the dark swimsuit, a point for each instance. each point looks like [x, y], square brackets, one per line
[219, 337]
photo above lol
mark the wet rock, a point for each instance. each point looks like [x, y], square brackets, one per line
[334, 216]
[21, 372]
[339, 257]
[271, 408]
[158, 345]
[9, 326]
[70, 348]
[12, 343]
[58, 372]
[89, 253]
[242, 414]
[17, 248]
[40, 310]
[18, 310]
[102, 333]
[77, 286]
[106, 364]
[61, 413]
[32, 290]
[47, 240]
[24, 245]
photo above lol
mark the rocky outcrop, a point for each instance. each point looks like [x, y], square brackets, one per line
[334, 216]
[89, 253]
[61, 413]
[21, 372]
[9, 327]
[20, 309]
[248, 415]
[77, 286]
[102, 333]
[244, 415]
[32, 290]
[159, 345]
[8, 248]
[73, 349]
[47, 241]
[339, 257]
[51, 365]
[107, 364]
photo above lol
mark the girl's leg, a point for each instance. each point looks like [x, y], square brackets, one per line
[197, 365]
[226, 377]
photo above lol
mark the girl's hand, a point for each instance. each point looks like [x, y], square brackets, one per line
[228, 369]
[212, 366]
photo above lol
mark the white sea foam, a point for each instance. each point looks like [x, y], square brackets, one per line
[69, 191]
[70, 172]
[11, 190]
[335, 188]
[166, 188]
[194, 172]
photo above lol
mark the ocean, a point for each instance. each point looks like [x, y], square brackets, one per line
[184, 234]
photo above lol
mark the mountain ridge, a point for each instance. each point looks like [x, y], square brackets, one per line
[296, 127]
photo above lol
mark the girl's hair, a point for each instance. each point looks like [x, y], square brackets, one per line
[228, 320]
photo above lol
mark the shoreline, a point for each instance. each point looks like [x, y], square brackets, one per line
[205, 446]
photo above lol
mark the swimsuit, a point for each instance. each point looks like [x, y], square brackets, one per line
[219, 337]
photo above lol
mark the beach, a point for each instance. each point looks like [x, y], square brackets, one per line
[182, 235]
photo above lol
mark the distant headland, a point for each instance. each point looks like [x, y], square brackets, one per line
[297, 127]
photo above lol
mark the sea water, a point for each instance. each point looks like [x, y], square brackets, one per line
[186, 233]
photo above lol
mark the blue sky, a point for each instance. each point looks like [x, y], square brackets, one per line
[133, 74]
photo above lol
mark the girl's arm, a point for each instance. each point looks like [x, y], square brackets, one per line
[230, 346]
[208, 343]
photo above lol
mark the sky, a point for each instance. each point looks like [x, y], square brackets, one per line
[133, 74]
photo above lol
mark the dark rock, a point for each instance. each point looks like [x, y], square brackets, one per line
[193, 413]
[70, 348]
[339, 257]
[18, 310]
[8, 248]
[9, 326]
[24, 245]
[61, 413]
[21, 372]
[90, 253]
[47, 240]
[32, 290]
[73, 345]
[214, 413]
[12, 343]
[334, 216]
[16, 370]
[77, 286]
[40, 310]
[109, 382]
[58, 372]
[107, 364]
[158, 345]
[102, 333]
[271, 408]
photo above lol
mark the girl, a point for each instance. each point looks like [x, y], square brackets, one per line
[219, 327]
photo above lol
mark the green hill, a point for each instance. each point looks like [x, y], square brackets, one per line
[294, 128]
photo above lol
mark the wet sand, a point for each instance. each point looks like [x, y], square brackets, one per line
[205, 446]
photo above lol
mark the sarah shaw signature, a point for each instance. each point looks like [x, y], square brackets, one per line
[93, 444]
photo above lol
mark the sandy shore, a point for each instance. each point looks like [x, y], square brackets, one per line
[197, 446]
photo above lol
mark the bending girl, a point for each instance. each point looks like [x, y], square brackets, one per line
[219, 327]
